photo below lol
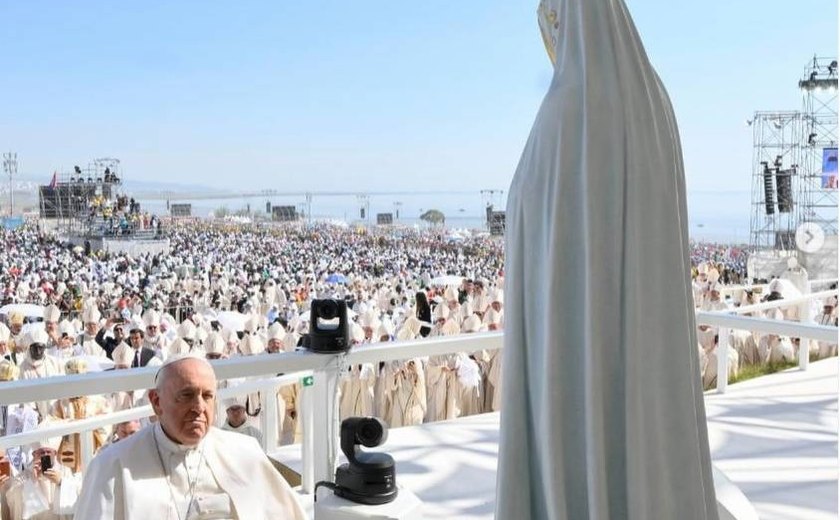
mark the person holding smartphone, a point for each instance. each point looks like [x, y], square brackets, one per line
[46, 489]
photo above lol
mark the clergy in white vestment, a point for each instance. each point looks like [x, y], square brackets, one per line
[443, 390]
[237, 419]
[77, 408]
[356, 396]
[5, 350]
[182, 467]
[87, 339]
[38, 364]
[52, 315]
[37, 494]
[65, 346]
[18, 341]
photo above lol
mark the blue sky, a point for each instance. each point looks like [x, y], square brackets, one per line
[364, 95]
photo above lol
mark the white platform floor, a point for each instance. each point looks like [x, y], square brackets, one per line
[774, 437]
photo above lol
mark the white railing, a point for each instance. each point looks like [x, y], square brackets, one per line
[805, 329]
[320, 430]
[734, 288]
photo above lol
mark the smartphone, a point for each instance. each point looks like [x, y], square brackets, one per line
[5, 468]
[46, 463]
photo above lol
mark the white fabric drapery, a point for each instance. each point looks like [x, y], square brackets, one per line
[603, 415]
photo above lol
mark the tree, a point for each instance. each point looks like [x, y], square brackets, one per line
[434, 217]
[221, 212]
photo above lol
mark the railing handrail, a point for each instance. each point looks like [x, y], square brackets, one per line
[60, 429]
[784, 302]
[750, 286]
[782, 328]
[244, 366]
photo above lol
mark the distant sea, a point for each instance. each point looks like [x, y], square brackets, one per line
[722, 217]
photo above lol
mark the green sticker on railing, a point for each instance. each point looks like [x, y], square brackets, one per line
[308, 381]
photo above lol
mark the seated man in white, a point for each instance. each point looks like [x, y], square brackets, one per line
[183, 467]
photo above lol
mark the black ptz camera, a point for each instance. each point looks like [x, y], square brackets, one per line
[329, 331]
[368, 477]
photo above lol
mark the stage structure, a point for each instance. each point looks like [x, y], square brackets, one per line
[86, 208]
[818, 163]
[180, 210]
[284, 214]
[775, 168]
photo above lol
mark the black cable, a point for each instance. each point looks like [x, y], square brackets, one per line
[326, 484]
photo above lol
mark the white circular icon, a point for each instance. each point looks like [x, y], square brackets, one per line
[809, 237]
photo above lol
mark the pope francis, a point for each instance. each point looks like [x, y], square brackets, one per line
[183, 468]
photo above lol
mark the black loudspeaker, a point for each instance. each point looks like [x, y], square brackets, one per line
[268, 207]
[783, 190]
[329, 331]
[361, 213]
[768, 190]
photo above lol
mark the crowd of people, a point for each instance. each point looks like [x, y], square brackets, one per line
[225, 291]
[228, 290]
[753, 349]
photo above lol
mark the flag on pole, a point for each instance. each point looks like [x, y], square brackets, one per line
[54, 180]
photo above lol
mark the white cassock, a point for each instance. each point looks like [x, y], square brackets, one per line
[357, 392]
[244, 429]
[602, 406]
[744, 342]
[707, 337]
[826, 349]
[470, 384]
[40, 499]
[47, 367]
[289, 426]
[229, 474]
[443, 392]
[404, 393]
[710, 373]
[64, 354]
[493, 387]
[90, 347]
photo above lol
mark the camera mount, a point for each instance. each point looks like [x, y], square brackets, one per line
[368, 477]
[329, 331]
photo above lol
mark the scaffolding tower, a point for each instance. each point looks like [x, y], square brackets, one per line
[68, 199]
[777, 153]
[818, 183]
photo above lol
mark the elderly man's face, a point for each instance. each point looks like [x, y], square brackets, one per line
[275, 345]
[185, 400]
[127, 429]
[50, 326]
[236, 416]
[91, 328]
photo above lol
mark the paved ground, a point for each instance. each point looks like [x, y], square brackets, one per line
[775, 437]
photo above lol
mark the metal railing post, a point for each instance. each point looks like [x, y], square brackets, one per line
[307, 412]
[268, 397]
[723, 359]
[806, 316]
[86, 446]
[325, 422]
